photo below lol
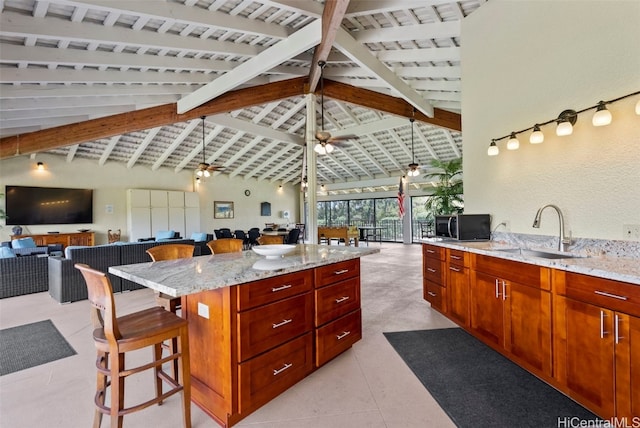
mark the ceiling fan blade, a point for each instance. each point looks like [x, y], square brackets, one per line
[344, 137]
[214, 167]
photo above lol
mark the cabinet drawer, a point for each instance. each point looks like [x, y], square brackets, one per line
[523, 273]
[457, 257]
[337, 336]
[262, 378]
[607, 293]
[433, 251]
[269, 290]
[340, 271]
[268, 326]
[434, 294]
[434, 271]
[336, 300]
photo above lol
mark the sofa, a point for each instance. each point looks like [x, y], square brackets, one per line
[23, 275]
[66, 283]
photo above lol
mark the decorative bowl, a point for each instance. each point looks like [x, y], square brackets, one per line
[273, 264]
[273, 251]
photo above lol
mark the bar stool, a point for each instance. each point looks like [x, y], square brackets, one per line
[114, 337]
[225, 245]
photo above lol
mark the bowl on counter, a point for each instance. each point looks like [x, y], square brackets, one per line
[273, 251]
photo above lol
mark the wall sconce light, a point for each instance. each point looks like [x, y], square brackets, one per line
[493, 149]
[40, 166]
[513, 143]
[565, 121]
[602, 116]
[536, 136]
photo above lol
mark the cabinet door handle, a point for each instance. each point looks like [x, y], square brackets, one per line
[497, 285]
[454, 269]
[343, 335]
[456, 257]
[431, 251]
[504, 290]
[342, 299]
[602, 331]
[616, 326]
[280, 324]
[615, 296]
[340, 272]
[432, 270]
[283, 287]
[431, 293]
[278, 371]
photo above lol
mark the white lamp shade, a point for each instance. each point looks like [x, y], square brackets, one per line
[536, 136]
[328, 147]
[199, 173]
[638, 108]
[513, 143]
[320, 149]
[601, 117]
[493, 150]
[413, 172]
[563, 129]
[206, 173]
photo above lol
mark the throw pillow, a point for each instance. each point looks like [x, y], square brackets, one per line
[164, 234]
[23, 243]
[199, 236]
[6, 253]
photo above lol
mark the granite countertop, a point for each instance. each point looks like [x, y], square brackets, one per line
[187, 276]
[626, 269]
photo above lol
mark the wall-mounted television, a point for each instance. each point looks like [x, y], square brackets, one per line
[48, 205]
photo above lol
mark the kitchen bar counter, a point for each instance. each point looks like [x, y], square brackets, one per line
[625, 269]
[188, 276]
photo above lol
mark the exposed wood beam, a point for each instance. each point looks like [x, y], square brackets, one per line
[389, 104]
[332, 17]
[139, 120]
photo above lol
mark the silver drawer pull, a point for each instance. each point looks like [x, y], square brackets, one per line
[278, 371]
[340, 272]
[342, 299]
[456, 257]
[616, 324]
[284, 287]
[343, 335]
[280, 324]
[431, 251]
[431, 270]
[615, 296]
[602, 330]
[431, 293]
[454, 269]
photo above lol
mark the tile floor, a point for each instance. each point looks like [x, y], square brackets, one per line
[367, 386]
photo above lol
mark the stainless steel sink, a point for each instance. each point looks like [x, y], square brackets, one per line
[540, 254]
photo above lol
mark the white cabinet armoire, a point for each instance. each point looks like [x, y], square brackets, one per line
[149, 211]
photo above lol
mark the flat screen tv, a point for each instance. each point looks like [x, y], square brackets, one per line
[48, 205]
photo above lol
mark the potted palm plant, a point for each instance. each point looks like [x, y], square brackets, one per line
[447, 197]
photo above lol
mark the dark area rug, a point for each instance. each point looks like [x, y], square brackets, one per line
[30, 345]
[477, 387]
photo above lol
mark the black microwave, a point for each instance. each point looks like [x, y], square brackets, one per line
[464, 227]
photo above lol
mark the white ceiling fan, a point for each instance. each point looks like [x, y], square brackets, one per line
[204, 169]
[326, 142]
[414, 168]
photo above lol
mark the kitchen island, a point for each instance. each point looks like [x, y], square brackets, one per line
[256, 325]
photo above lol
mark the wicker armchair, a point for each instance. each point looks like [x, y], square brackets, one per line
[23, 275]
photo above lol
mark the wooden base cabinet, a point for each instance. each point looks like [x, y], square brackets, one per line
[434, 285]
[511, 310]
[65, 239]
[597, 343]
[457, 275]
[250, 342]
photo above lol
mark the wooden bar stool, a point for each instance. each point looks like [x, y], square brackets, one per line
[225, 245]
[114, 337]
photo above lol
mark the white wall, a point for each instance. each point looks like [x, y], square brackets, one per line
[111, 180]
[526, 61]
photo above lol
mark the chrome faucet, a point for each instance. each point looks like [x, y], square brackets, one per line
[563, 241]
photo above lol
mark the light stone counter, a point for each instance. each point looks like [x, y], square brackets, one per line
[625, 269]
[187, 276]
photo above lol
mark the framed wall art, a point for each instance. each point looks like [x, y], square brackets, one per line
[222, 209]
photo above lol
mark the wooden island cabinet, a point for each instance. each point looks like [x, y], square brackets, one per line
[434, 283]
[580, 333]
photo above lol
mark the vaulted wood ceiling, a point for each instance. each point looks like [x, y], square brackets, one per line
[127, 81]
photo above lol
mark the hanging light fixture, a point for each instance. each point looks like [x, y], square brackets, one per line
[493, 149]
[414, 168]
[536, 136]
[204, 169]
[513, 143]
[602, 116]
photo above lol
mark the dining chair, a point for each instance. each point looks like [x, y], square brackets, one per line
[226, 233]
[115, 336]
[254, 234]
[292, 237]
[225, 245]
[301, 226]
[240, 234]
[271, 239]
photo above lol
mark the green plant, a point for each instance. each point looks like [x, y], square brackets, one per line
[447, 197]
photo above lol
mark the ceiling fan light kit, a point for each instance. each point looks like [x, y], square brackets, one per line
[204, 169]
